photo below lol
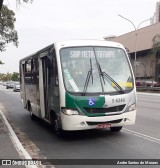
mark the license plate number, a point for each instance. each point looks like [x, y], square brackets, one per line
[104, 126]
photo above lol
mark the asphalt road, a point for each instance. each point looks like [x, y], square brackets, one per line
[141, 141]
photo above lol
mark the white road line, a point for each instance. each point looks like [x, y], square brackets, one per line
[143, 136]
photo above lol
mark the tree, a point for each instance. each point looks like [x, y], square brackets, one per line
[18, 2]
[156, 44]
[7, 77]
[156, 52]
[7, 19]
[23, 1]
[15, 76]
[1, 62]
[7, 32]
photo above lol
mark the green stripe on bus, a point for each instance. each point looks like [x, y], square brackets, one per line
[82, 102]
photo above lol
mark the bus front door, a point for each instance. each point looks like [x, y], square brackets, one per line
[43, 85]
[22, 78]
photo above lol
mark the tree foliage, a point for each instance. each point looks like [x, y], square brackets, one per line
[19, 2]
[156, 45]
[1, 62]
[15, 76]
[156, 52]
[8, 34]
[5, 77]
[23, 1]
[9, 76]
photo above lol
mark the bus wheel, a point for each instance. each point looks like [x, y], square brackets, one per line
[115, 129]
[55, 125]
[57, 129]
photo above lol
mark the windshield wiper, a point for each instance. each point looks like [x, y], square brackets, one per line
[89, 74]
[104, 74]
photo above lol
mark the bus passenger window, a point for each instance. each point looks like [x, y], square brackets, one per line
[35, 64]
[28, 72]
[28, 66]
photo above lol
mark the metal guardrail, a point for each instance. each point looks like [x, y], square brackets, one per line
[148, 88]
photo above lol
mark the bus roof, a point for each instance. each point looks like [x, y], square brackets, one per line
[72, 43]
[87, 43]
[38, 52]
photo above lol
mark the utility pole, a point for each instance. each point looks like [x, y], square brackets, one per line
[135, 28]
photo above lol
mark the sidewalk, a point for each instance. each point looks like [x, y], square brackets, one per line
[10, 146]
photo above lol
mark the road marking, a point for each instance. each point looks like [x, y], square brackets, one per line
[143, 136]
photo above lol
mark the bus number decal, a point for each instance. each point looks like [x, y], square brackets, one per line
[118, 100]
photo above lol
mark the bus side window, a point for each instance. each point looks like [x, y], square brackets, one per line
[28, 72]
[55, 74]
[54, 70]
[35, 71]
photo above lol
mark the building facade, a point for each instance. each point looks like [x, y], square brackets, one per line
[146, 63]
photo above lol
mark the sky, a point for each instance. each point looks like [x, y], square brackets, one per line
[47, 21]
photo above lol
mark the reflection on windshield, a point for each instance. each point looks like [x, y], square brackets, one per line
[89, 75]
[105, 75]
[78, 62]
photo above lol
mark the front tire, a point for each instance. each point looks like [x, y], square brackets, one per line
[116, 129]
[59, 132]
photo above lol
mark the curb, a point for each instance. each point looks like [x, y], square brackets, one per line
[16, 143]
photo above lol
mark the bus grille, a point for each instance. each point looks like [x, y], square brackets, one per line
[104, 110]
[110, 122]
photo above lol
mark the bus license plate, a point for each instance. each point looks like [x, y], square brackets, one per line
[104, 126]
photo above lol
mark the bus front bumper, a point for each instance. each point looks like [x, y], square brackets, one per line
[79, 122]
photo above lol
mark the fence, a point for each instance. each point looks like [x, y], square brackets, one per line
[148, 89]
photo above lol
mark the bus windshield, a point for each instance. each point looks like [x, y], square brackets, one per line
[96, 69]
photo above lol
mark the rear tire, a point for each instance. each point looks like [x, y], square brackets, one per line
[116, 129]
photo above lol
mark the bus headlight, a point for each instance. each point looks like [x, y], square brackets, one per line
[132, 107]
[69, 111]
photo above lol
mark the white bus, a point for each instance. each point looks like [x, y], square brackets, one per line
[79, 85]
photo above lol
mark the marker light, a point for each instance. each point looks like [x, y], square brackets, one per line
[132, 107]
